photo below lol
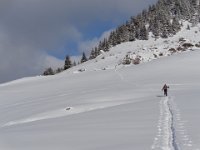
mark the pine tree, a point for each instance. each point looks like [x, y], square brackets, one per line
[48, 71]
[188, 27]
[74, 64]
[105, 45]
[100, 46]
[58, 70]
[84, 58]
[68, 63]
[155, 27]
[144, 33]
[118, 39]
[175, 25]
[112, 39]
[131, 29]
[96, 51]
[124, 32]
[92, 54]
[164, 33]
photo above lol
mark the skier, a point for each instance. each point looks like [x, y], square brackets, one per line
[165, 87]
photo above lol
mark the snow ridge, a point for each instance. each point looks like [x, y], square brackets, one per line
[64, 112]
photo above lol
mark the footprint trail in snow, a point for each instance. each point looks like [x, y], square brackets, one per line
[171, 134]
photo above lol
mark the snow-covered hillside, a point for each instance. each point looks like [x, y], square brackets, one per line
[104, 105]
[145, 50]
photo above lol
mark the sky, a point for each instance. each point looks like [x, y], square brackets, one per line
[37, 34]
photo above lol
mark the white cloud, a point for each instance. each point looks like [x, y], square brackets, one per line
[86, 46]
[50, 61]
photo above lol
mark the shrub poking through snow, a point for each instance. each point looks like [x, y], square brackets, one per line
[187, 45]
[127, 60]
[197, 45]
[172, 50]
[182, 39]
[82, 70]
[180, 48]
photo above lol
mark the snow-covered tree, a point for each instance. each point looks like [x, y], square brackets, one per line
[92, 54]
[74, 64]
[162, 19]
[84, 58]
[144, 33]
[176, 26]
[48, 71]
[58, 70]
[68, 63]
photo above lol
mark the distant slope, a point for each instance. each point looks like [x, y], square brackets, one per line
[144, 50]
[163, 19]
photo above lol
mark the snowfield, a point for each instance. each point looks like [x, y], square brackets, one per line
[104, 105]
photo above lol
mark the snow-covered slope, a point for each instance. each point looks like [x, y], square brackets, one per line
[145, 50]
[103, 104]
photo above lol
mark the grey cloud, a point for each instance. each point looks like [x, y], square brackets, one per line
[30, 28]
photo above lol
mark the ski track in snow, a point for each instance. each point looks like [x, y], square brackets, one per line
[171, 134]
[64, 112]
